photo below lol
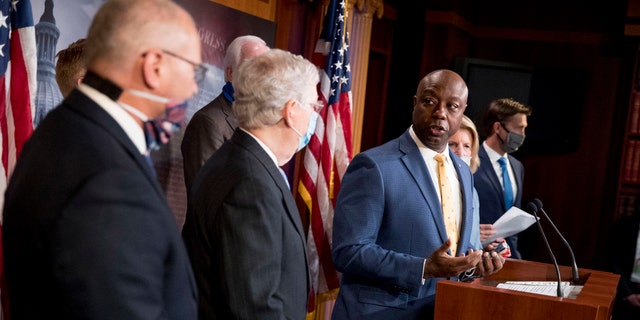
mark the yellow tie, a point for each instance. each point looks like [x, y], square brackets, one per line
[446, 201]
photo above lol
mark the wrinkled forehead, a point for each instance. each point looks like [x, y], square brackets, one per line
[444, 80]
[452, 91]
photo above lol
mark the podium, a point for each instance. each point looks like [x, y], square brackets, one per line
[481, 299]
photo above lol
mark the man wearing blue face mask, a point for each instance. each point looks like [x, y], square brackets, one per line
[243, 231]
[500, 176]
[215, 123]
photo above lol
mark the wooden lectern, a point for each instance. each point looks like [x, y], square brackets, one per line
[481, 299]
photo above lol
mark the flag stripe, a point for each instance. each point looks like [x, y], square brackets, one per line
[4, 128]
[328, 153]
[21, 102]
[18, 69]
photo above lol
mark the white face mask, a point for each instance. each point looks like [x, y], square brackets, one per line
[159, 130]
[170, 103]
[466, 159]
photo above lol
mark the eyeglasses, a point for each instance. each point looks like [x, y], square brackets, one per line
[199, 70]
[315, 106]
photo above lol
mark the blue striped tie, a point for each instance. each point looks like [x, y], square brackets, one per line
[284, 175]
[508, 189]
[147, 156]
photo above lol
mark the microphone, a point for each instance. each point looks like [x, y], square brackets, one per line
[531, 207]
[576, 277]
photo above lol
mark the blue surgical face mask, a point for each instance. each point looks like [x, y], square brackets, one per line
[311, 128]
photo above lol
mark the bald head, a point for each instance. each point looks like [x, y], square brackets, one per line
[240, 49]
[445, 78]
[438, 107]
[122, 30]
[148, 48]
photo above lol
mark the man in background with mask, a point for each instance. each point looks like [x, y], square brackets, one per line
[500, 176]
[243, 230]
[88, 233]
[214, 123]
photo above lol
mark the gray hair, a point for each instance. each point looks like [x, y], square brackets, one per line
[122, 29]
[265, 84]
[233, 57]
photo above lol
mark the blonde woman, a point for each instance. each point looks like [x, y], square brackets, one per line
[466, 143]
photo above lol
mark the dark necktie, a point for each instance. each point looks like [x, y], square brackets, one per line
[147, 156]
[508, 189]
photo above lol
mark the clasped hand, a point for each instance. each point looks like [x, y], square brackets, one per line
[441, 264]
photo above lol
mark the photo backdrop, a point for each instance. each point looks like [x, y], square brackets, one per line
[59, 23]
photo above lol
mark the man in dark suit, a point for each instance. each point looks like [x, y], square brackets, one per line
[214, 123]
[391, 240]
[87, 230]
[504, 123]
[242, 230]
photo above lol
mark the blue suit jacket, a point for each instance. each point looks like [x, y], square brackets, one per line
[387, 220]
[491, 195]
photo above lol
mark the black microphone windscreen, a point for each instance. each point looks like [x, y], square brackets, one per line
[538, 202]
[532, 208]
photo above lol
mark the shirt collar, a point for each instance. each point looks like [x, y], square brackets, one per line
[493, 155]
[131, 128]
[264, 146]
[426, 151]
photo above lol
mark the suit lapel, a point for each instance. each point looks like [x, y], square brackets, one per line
[518, 170]
[90, 110]
[416, 166]
[487, 171]
[227, 109]
[466, 188]
[253, 147]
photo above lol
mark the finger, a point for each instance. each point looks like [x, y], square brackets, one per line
[485, 265]
[497, 261]
[472, 259]
[488, 260]
[472, 251]
[444, 248]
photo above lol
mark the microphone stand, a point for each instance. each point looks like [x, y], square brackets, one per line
[534, 210]
[574, 271]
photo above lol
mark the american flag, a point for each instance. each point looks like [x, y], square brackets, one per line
[327, 156]
[18, 70]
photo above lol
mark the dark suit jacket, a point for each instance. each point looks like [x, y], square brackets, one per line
[245, 237]
[209, 127]
[491, 195]
[387, 221]
[88, 233]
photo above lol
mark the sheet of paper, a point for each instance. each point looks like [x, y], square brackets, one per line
[510, 223]
[547, 288]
